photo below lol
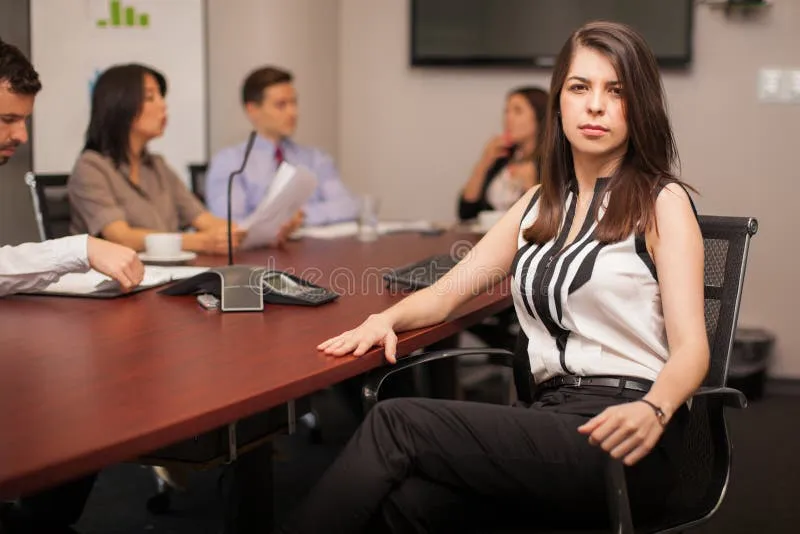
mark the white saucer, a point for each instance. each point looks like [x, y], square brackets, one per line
[180, 257]
[475, 228]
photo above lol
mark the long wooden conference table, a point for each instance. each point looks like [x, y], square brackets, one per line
[86, 383]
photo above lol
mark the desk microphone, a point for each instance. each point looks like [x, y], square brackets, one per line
[250, 141]
[238, 287]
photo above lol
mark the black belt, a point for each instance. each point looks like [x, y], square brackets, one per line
[618, 382]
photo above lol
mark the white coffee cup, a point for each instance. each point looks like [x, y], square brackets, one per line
[163, 245]
[487, 219]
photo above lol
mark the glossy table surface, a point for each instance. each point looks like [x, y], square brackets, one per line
[85, 383]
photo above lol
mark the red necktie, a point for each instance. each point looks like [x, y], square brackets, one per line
[278, 156]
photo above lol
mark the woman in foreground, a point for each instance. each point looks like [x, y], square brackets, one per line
[607, 263]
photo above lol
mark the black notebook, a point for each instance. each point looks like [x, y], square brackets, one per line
[422, 273]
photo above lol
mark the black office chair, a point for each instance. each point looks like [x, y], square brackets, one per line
[197, 172]
[50, 204]
[705, 466]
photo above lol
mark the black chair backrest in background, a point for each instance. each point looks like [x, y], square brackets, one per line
[197, 172]
[50, 204]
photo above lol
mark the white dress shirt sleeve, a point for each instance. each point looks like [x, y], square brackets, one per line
[33, 266]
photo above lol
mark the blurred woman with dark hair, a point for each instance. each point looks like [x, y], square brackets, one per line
[121, 191]
[508, 166]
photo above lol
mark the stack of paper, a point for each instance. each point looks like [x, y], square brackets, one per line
[391, 227]
[94, 281]
[290, 190]
[349, 229]
[176, 272]
[330, 231]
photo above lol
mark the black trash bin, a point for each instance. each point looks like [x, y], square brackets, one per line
[752, 351]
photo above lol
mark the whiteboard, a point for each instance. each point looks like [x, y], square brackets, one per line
[73, 41]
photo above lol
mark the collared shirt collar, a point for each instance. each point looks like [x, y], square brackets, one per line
[146, 159]
[262, 143]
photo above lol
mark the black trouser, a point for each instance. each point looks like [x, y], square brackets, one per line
[53, 509]
[424, 465]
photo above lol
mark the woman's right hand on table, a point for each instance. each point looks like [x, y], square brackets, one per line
[376, 330]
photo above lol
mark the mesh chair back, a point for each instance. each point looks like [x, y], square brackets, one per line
[726, 241]
[197, 172]
[705, 461]
[50, 204]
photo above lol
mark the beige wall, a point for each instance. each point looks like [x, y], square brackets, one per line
[411, 135]
[300, 35]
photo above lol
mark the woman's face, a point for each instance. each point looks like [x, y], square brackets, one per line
[592, 107]
[152, 118]
[520, 122]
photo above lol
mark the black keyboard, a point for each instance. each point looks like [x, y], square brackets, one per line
[421, 274]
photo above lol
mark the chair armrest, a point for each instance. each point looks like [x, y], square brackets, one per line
[375, 379]
[732, 398]
[619, 507]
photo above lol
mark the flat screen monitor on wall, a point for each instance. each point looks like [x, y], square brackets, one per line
[520, 33]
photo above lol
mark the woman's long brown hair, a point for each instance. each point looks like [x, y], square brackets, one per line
[651, 156]
[538, 100]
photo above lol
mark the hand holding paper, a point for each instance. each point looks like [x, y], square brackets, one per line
[290, 227]
[278, 210]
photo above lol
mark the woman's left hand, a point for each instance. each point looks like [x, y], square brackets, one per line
[627, 431]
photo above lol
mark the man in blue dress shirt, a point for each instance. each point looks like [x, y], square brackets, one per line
[270, 101]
